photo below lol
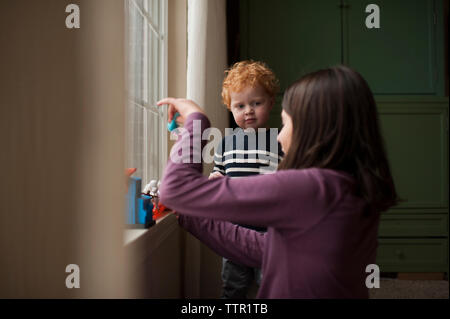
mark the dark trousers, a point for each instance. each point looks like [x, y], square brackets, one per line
[237, 279]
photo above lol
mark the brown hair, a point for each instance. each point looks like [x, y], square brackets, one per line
[335, 126]
[248, 74]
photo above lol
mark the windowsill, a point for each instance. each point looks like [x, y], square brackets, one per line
[132, 235]
[154, 257]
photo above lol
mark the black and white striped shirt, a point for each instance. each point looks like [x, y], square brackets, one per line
[248, 152]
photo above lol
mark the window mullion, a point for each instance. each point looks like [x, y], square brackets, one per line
[163, 79]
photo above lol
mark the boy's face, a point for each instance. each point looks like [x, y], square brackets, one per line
[251, 107]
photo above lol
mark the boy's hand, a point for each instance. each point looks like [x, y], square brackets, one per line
[182, 106]
[215, 175]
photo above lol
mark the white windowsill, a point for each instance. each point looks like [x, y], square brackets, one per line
[157, 232]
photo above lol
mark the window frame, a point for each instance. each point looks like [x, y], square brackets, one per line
[150, 134]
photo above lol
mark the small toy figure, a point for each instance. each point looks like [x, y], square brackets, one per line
[151, 189]
[147, 189]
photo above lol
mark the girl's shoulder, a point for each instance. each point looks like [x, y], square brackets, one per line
[315, 180]
[318, 173]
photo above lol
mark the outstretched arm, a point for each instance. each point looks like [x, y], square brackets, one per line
[241, 245]
[285, 199]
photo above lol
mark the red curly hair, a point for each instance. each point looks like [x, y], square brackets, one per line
[248, 74]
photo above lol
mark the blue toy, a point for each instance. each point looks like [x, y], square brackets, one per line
[139, 206]
[134, 188]
[173, 125]
[145, 207]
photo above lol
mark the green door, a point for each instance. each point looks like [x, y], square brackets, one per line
[403, 61]
[399, 57]
[293, 37]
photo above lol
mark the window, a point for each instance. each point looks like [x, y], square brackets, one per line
[147, 83]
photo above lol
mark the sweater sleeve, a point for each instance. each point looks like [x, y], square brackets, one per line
[277, 200]
[239, 244]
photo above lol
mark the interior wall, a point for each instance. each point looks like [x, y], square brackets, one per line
[62, 138]
[101, 158]
[207, 61]
[216, 64]
[156, 263]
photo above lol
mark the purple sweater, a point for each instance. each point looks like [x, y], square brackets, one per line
[318, 241]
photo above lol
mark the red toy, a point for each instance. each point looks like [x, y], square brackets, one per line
[159, 210]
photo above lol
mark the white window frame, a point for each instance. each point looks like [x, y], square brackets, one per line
[150, 134]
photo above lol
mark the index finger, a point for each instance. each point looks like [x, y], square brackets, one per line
[167, 100]
[172, 109]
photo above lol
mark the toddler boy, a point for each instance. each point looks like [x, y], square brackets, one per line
[248, 91]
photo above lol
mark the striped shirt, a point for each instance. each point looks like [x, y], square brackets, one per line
[245, 153]
[249, 152]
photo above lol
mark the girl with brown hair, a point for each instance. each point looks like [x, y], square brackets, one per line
[321, 208]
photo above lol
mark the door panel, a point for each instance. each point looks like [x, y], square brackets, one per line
[417, 146]
[407, 224]
[293, 37]
[400, 56]
[413, 255]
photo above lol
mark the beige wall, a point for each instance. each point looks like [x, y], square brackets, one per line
[62, 138]
[200, 267]
[62, 157]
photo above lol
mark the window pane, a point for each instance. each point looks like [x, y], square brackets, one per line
[154, 71]
[146, 132]
[142, 4]
[155, 12]
[153, 146]
[135, 138]
[151, 8]
[136, 52]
